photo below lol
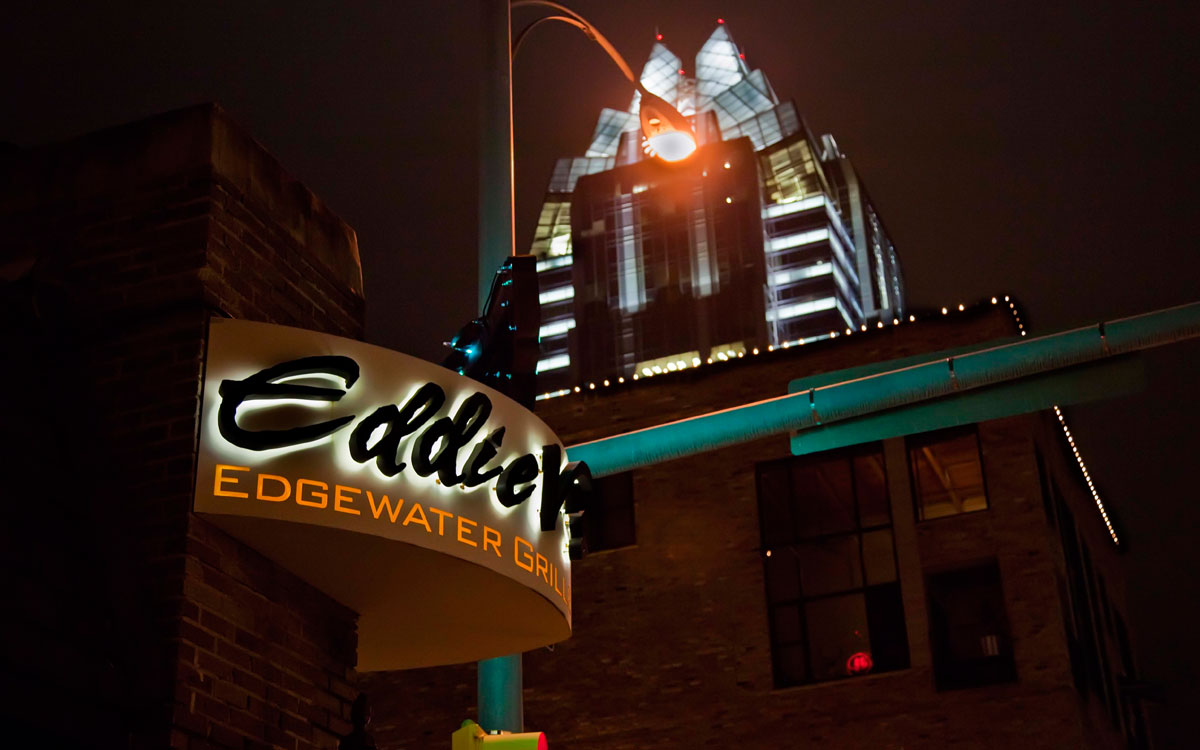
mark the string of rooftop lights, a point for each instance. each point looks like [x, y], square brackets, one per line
[729, 355]
[1087, 476]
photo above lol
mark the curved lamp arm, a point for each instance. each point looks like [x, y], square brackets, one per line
[520, 38]
[668, 134]
[580, 23]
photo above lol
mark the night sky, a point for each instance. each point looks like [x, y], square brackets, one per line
[1042, 150]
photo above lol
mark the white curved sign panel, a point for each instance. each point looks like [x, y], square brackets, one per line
[425, 501]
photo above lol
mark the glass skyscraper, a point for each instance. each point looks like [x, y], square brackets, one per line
[765, 237]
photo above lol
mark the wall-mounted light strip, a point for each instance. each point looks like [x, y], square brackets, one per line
[796, 309]
[554, 261]
[556, 327]
[557, 294]
[557, 362]
[787, 276]
[796, 240]
[784, 209]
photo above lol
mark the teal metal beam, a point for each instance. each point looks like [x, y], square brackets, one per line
[905, 386]
[1108, 378]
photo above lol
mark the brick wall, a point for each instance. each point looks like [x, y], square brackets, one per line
[149, 625]
[671, 645]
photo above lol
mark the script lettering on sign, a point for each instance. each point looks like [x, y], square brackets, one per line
[442, 511]
[437, 447]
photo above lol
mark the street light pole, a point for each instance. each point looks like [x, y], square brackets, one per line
[668, 135]
[496, 231]
[499, 680]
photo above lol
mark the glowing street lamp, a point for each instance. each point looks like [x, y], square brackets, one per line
[668, 134]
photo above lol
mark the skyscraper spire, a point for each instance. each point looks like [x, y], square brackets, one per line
[718, 65]
[660, 76]
[764, 238]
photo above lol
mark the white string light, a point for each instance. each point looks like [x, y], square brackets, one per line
[1086, 475]
[731, 355]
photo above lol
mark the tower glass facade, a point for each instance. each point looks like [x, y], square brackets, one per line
[765, 237]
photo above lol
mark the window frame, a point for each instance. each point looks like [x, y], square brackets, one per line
[923, 439]
[864, 585]
[949, 674]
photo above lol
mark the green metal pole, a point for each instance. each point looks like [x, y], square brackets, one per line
[496, 232]
[498, 686]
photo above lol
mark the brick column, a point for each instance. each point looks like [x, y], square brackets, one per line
[133, 618]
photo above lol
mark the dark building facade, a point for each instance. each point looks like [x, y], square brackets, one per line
[961, 587]
[689, 284]
[130, 622]
[914, 591]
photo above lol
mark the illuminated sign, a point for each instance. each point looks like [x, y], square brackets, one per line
[430, 504]
[859, 663]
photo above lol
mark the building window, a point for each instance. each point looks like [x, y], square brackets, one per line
[833, 596]
[947, 473]
[610, 521]
[968, 628]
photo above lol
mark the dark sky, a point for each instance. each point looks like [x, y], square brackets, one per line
[1046, 150]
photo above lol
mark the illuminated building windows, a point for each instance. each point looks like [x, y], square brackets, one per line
[829, 561]
[610, 519]
[722, 247]
[968, 628]
[609, 127]
[556, 295]
[567, 171]
[718, 65]
[947, 473]
[791, 171]
[556, 362]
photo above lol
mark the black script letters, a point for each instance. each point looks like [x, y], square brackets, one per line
[473, 476]
[522, 470]
[400, 423]
[262, 385]
[572, 486]
[454, 435]
[435, 448]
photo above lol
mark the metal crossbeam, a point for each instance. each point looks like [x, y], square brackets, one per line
[1017, 370]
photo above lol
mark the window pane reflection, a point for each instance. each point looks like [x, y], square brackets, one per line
[878, 556]
[830, 566]
[947, 473]
[824, 498]
[833, 596]
[837, 629]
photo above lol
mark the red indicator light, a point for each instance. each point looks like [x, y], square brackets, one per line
[859, 663]
[742, 55]
[658, 37]
[720, 20]
[681, 71]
